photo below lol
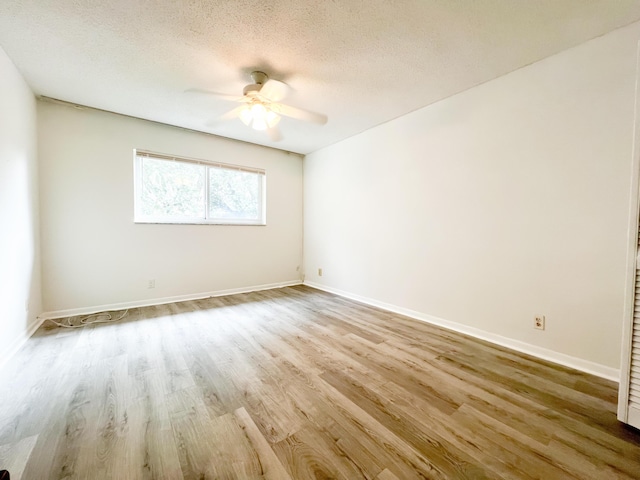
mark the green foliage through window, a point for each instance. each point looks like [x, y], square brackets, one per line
[233, 194]
[174, 191]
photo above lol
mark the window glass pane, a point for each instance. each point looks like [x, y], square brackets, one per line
[172, 189]
[234, 194]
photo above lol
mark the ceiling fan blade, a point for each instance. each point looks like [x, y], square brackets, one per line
[231, 114]
[274, 134]
[274, 91]
[298, 113]
[221, 96]
[235, 113]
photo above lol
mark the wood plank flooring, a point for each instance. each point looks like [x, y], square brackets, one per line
[295, 383]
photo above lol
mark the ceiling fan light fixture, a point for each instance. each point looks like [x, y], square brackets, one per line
[259, 117]
[245, 116]
[272, 118]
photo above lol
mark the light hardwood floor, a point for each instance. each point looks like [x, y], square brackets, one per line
[295, 383]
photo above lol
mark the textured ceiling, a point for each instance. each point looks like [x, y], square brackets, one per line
[360, 62]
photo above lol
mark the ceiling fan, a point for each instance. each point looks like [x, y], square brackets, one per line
[261, 108]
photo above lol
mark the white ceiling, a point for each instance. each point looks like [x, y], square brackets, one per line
[360, 62]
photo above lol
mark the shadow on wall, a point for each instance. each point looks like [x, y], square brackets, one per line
[19, 252]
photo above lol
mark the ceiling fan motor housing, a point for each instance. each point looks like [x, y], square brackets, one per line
[254, 87]
[259, 78]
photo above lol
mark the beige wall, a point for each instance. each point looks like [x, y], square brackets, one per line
[19, 238]
[481, 211]
[502, 202]
[94, 255]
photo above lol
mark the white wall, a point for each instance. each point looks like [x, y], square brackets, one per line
[502, 202]
[94, 255]
[20, 297]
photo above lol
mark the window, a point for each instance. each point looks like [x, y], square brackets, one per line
[181, 190]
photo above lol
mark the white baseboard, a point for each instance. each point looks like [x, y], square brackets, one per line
[523, 347]
[160, 301]
[19, 342]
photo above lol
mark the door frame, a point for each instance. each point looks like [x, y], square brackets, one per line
[632, 255]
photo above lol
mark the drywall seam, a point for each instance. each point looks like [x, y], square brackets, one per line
[539, 352]
[160, 301]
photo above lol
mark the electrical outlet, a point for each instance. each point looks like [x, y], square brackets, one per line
[151, 284]
[538, 322]
[319, 272]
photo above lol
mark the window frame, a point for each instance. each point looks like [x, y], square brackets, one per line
[138, 159]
